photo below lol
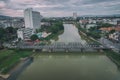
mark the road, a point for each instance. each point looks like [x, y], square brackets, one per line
[110, 44]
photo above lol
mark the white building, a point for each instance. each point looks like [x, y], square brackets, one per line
[25, 33]
[114, 21]
[91, 21]
[32, 19]
[115, 36]
[88, 26]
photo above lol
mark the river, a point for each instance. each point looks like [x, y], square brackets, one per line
[65, 66]
[70, 34]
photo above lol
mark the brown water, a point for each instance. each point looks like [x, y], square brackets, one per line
[71, 67]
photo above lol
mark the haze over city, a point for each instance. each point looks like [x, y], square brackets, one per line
[60, 8]
[59, 39]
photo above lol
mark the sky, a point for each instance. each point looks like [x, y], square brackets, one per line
[60, 8]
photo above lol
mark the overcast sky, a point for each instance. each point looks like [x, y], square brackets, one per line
[60, 7]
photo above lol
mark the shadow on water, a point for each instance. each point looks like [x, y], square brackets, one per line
[17, 72]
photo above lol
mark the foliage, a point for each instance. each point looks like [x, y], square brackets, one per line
[55, 28]
[112, 31]
[100, 25]
[7, 34]
[113, 55]
[93, 31]
[10, 30]
[94, 34]
[34, 37]
[9, 58]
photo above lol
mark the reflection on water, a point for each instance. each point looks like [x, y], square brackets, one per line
[71, 67]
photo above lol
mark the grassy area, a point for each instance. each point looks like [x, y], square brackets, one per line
[9, 58]
[54, 36]
[84, 36]
[113, 56]
[88, 40]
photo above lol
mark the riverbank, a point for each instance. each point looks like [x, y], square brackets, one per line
[84, 36]
[9, 59]
[56, 28]
[55, 36]
[115, 57]
[18, 69]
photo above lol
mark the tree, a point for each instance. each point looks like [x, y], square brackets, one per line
[112, 31]
[10, 30]
[34, 37]
[2, 33]
[100, 25]
[92, 29]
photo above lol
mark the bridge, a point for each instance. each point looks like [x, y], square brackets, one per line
[68, 22]
[61, 46]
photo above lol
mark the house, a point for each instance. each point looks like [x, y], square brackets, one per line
[113, 36]
[84, 22]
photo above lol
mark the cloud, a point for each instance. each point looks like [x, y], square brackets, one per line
[60, 7]
[2, 4]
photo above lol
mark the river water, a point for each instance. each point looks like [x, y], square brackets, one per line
[65, 66]
[70, 34]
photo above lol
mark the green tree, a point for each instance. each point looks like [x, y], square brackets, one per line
[92, 29]
[34, 37]
[100, 25]
[10, 30]
[112, 31]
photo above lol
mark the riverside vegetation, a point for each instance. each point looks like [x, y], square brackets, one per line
[10, 58]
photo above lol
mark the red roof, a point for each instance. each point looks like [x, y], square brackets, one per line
[110, 28]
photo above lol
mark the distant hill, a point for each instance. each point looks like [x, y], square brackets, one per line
[114, 15]
[4, 17]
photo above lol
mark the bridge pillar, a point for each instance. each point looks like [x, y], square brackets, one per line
[66, 50]
[82, 49]
[50, 50]
[34, 50]
[99, 50]
[40, 50]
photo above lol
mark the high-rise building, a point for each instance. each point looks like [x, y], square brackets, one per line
[32, 19]
[74, 15]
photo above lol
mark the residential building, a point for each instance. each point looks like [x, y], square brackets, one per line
[84, 21]
[18, 24]
[91, 21]
[88, 26]
[115, 36]
[25, 33]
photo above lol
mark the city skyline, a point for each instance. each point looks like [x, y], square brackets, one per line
[59, 8]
